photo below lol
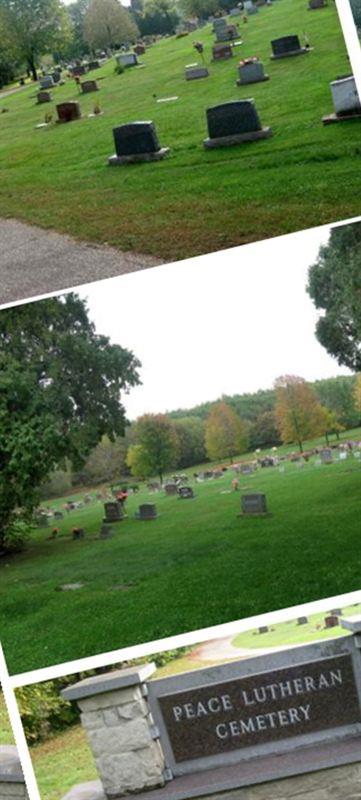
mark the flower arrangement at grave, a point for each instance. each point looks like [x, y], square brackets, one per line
[250, 60]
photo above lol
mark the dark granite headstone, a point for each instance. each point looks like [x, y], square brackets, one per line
[139, 49]
[58, 515]
[68, 112]
[231, 119]
[147, 511]
[286, 46]
[113, 512]
[136, 137]
[264, 708]
[221, 52]
[263, 629]
[332, 621]
[93, 65]
[89, 86]
[254, 503]
[185, 492]
[44, 96]
[79, 70]
[302, 621]
[313, 4]
[171, 488]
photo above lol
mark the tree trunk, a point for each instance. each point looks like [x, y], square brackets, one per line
[300, 445]
[32, 67]
[327, 439]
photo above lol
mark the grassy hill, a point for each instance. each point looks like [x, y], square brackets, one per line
[198, 564]
[196, 201]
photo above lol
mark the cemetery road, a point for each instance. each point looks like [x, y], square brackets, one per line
[35, 261]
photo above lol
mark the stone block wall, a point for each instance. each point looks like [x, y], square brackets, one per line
[337, 783]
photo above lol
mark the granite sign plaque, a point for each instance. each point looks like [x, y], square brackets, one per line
[261, 709]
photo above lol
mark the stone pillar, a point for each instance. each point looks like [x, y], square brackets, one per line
[120, 729]
[353, 624]
[12, 784]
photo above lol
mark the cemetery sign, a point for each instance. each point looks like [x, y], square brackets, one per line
[225, 714]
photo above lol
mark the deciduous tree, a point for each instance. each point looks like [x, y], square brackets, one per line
[226, 434]
[60, 391]
[35, 27]
[107, 24]
[298, 411]
[156, 437]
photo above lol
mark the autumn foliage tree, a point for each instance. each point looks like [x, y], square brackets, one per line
[298, 412]
[225, 433]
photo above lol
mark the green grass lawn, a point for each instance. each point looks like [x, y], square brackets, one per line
[195, 201]
[6, 734]
[198, 564]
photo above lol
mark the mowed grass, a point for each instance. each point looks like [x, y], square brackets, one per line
[195, 201]
[198, 564]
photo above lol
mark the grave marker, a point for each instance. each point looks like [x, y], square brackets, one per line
[251, 71]
[234, 123]
[68, 112]
[185, 493]
[44, 97]
[136, 141]
[46, 82]
[113, 512]
[147, 511]
[254, 503]
[287, 46]
[89, 86]
[221, 52]
[193, 73]
[127, 59]
[346, 100]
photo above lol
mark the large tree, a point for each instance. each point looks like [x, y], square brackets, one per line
[191, 446]
[156, 446]
[226, 435]
[298, 412]
[108, 24]
[34, 28]
[60, 392]
[335, 287]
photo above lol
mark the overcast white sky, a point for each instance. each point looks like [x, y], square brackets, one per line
[225, 323]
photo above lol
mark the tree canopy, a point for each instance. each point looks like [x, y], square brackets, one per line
[156, 446]
[108, 24]
[60, 392]
[335, 287]
[225, 433]
[34, 27]
[298, 412]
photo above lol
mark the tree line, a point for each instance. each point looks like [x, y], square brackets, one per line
[32, 31]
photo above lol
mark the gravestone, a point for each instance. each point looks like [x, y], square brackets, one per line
[234, 12]
[171, 489]
[127, 59]
[147, 511]
[314, 4]
[346, 100]
[93, 65]
[342, 455]
[249, 7]
[254, 503]
[263, 629]
[56, 76]
[233, 123]
[44, 97]
[139, 49]
[336, 612]
[68, 112]
[302, 621]
[78, 533]
[46, 82]
[185, 493]
[246, 469]
[326, 456]
[136, 141]
[78, 71]
[218, 23]
[193, 73]
[106, 532]
[89, 86]
[58, 515]
[113, 512]
[287, 46]
[221, 52]
[251, 71]
[332, 621]
[227, 33]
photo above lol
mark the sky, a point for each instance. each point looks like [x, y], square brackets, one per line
[225, 323]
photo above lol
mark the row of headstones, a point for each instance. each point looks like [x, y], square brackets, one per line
[331, 621]
[254, 504]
